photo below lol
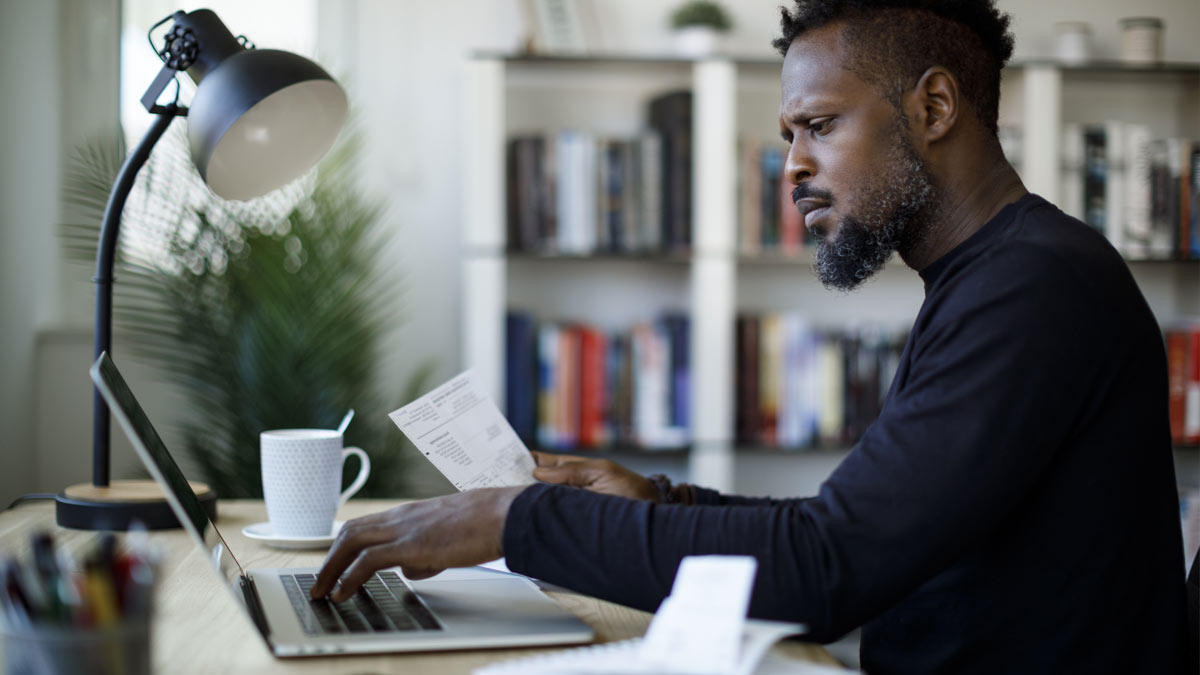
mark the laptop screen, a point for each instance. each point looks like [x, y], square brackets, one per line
[149, 446]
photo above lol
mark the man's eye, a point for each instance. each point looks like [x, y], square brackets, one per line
[821, 127]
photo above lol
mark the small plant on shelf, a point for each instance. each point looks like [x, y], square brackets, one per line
[698, 26]
[701, 13]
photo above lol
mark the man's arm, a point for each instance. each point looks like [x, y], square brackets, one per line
[609, 478]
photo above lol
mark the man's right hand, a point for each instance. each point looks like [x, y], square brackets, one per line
[598, 475]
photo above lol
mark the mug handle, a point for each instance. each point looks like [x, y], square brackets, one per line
[364, 470]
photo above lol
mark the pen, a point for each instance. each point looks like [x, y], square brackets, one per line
[101, 595]
[45, 567]
[16, 602]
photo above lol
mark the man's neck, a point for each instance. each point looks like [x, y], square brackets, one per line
[966, 208]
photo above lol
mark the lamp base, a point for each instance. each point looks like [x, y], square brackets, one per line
[88, 507]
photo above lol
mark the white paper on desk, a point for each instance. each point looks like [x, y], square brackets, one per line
[624, 658]
[699, 627]
[458, 427]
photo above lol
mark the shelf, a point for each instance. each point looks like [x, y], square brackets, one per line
[623, 60]
[611, 452]
[812, 450]
[804, 257]
[648, 257]
[1111, 67]
[1163, 261]
[1100, 67]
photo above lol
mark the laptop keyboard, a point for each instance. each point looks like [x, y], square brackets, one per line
[383, 605]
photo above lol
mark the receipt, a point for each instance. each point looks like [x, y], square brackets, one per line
[459, 428]
[699, 628]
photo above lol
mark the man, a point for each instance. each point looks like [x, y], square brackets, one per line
[1012, 510]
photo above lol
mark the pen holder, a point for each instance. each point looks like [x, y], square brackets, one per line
[123, 649]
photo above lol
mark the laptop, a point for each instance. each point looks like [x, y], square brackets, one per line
[468, 608]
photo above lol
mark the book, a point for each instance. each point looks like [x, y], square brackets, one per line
[1114, 183]
[770, 377]
[1071, 174]
[750, 175]
[548, 383]
[650, 206]
[592, 387]
[1194, 215]
[521, 374]
[1191, 413]
[671, 116]
[1095, 176]
[1136, 223]
[746, 407]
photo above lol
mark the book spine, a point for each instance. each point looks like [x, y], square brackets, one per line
[1162, 229]
[1114, 183]
[769, 378]
[521, 376]
[747, 407]
[791, 223]
[751, 172]
[1194, 226]
[771, 168]
[1095, 177]
[1178, 344]
[1137, 191]
[568, 387]
[831, 414]
[1191, 416]
[651, 208]
[1072, 171]
[548, 396]
[591, 387]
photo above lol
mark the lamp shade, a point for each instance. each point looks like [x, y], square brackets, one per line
[260, 119]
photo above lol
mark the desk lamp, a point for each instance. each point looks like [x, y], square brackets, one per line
[259, 119]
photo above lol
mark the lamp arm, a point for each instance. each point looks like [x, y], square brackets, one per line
[106, 252]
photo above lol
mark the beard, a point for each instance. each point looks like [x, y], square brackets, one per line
[899, 208]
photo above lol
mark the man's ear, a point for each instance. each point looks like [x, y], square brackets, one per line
[935, 103]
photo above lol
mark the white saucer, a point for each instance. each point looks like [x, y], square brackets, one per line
[266, 534]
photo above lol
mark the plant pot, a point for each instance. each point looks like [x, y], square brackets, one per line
[698, 41]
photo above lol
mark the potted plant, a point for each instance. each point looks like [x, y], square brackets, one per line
[266, 314]
[699, 26]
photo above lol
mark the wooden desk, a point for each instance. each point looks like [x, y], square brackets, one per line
[199, 629]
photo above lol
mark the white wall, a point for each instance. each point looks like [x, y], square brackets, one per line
[401, 60]
[28, 180]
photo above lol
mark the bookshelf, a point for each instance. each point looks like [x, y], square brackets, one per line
[734, 99]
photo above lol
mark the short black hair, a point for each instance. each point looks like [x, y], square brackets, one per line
[893, 42]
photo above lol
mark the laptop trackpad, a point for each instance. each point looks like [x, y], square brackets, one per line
[492, 602]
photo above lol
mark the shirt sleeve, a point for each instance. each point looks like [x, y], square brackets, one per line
[709, 497]
[953, 452]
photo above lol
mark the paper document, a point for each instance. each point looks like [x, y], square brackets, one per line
[701, 629]
[459, 428]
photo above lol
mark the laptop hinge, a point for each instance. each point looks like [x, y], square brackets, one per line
[250, 593]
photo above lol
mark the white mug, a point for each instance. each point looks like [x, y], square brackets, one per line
[301, 472]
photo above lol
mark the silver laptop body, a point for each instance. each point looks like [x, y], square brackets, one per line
[466, 608]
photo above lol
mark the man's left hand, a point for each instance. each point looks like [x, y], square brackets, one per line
[422, 538]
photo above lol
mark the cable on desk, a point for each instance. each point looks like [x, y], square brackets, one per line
[30, 497]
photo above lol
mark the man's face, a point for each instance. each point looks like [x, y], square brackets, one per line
[861, 186]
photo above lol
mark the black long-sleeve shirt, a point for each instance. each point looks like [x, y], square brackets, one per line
[1012, 510]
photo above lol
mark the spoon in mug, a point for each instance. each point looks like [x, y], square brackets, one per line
[345, 422]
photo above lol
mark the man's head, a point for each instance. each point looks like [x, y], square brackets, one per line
[872, 91]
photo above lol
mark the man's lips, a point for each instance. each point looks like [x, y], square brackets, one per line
[812, 210]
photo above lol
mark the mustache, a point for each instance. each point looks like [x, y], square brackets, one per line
[806, 191]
